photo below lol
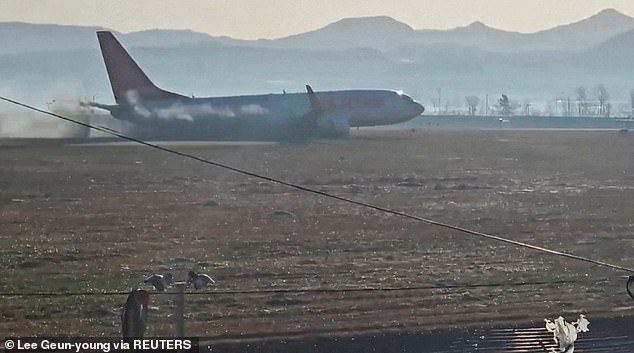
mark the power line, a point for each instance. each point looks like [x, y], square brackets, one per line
[310, 290]
[325, 194]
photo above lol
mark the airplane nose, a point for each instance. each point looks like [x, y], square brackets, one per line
[418, 109]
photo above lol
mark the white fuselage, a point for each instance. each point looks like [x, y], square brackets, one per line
[250, 116]
[359, 107]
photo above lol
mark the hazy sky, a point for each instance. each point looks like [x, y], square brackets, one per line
[275, 18]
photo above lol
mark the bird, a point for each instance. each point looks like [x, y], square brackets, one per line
[134, 314]
[582, 324]
[199, 280]
[565, 333]
[160, 282]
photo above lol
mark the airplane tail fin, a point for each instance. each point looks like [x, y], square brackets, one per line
[129, 83]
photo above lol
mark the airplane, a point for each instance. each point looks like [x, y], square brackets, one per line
[154, 113]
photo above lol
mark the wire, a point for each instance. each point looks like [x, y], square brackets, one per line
[308, 290]
[325, 194]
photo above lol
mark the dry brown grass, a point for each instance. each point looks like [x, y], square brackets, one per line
[101, 218]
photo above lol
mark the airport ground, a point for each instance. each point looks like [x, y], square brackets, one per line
[101, 218]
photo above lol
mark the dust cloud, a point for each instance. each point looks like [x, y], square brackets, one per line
[18, 122]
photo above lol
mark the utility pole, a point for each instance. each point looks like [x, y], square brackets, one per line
[179, 310]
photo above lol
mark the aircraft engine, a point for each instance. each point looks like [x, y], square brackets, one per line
[333, 127]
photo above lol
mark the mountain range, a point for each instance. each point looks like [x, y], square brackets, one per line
[380, 33]
[351, 53]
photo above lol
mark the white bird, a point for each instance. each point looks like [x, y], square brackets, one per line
[565, 333]
[160, 282]
[582, 324]
[200, 280]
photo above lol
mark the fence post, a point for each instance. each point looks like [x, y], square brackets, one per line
[179, 313]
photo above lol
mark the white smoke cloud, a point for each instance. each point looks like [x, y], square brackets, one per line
[142, 111]
[189, 111]
[17, 122]
[133, 98]
[253, 109]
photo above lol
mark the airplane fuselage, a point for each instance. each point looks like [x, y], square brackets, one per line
[159, 114]
[265, 116]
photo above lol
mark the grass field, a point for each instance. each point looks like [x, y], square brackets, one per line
[100, 218]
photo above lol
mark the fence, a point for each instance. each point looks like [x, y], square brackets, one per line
[216, 307]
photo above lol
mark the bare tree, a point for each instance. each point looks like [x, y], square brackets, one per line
[505, 105]
[568, 107]
[439, 90]
[527, 107]
[582, 98]
[433, 103]
[472, 104]
[602, 96]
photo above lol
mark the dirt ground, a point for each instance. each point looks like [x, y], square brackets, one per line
[101, 218]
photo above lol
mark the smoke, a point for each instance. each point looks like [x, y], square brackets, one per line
[139, 109]
[189, 111]
[253, 109]
[17, 122]
[133, 98]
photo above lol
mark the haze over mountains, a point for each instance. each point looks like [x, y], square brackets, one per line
[350, 53]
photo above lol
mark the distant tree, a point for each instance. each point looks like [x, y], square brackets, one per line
[439, 91]
[582, 99]
[632, 100]
[568, 107]
[527, 107]
[472, 104]
[602, 97]
[505, 105]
